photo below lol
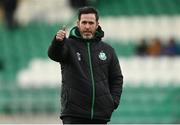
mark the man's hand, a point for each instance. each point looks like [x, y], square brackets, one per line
[61, 34]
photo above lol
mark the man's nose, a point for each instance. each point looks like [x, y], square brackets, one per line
[87, 26]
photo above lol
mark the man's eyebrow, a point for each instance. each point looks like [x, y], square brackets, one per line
[88, 21]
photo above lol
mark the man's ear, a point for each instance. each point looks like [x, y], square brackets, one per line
[97, 25]
[78, 25]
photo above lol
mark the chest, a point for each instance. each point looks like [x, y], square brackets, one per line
[94, 54]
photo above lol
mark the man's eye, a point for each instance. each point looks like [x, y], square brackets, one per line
[84, 22]
[91, 23]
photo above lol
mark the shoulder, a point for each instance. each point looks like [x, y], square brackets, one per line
[70, 41]
[106, 45]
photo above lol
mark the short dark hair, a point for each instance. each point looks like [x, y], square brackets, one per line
[88, 10]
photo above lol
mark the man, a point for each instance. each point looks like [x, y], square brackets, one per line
[10, 7]
[91, 75]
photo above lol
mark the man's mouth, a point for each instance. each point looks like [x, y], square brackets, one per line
[87, 32]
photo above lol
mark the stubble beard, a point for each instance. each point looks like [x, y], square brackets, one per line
[87, 37]
[90, 36]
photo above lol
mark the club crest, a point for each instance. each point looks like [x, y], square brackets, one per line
[102, 56]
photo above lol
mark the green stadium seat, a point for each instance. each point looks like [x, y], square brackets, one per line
[138, 7]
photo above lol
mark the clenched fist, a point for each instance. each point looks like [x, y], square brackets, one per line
[61, 34]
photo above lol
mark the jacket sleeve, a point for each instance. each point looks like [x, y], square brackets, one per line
[115, 79]
[58, 50]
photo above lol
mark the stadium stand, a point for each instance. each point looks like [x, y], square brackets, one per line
[138, 7]
[153, 98]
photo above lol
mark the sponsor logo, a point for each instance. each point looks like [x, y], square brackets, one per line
[78, 56]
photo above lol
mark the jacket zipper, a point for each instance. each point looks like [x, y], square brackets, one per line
[92, 79]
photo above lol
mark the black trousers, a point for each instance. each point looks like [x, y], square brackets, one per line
[77, 120]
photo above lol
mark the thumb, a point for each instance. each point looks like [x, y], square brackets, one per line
[64, 28]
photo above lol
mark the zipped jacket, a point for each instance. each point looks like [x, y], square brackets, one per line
[91, 76]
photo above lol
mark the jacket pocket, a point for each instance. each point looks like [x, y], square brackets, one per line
[64, 98]
[79, 99]
[104, 105]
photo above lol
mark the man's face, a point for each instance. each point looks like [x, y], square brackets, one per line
[87, 25]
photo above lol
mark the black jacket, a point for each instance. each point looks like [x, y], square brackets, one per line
[91, 76]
